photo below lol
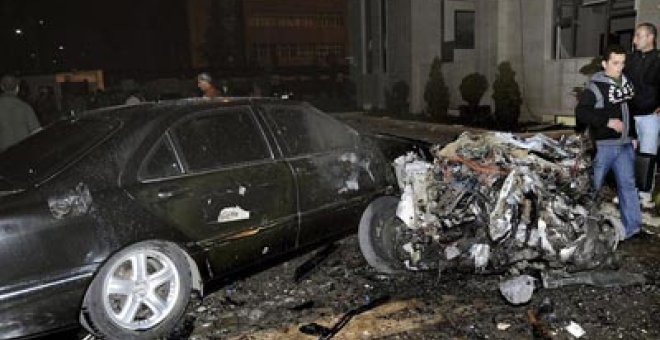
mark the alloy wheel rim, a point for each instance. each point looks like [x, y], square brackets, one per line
[141, 289]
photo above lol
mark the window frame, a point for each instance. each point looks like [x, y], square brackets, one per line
[283, 147]
[180, 156]
[574, 21]
[458, 12]
[166, 138]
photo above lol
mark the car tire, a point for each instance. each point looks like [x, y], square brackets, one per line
[141, 292]
[377, 235]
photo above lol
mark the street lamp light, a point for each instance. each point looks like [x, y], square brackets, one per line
[18, 31]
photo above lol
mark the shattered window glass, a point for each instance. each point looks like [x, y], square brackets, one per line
[223, 138]
[304, 130]
[161, 162]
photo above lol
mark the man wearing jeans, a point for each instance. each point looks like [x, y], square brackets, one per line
[643, 70]
[603, 107]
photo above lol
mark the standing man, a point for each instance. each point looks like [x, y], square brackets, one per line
[643, 70]
[604, 109]
[205, 83]
[17, 119]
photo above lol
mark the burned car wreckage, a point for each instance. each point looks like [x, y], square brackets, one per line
[114, 219]
[496, 203]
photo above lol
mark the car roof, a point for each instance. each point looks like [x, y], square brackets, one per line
[147, 111]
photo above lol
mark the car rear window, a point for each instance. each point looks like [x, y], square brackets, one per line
[305, 130]
[52, 148]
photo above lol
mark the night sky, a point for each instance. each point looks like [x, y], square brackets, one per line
[131, 37]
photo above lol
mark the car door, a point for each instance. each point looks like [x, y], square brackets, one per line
[213, 175]
[334, 176]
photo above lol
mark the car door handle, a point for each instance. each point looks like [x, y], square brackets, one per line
[167, 193]
[303, 171]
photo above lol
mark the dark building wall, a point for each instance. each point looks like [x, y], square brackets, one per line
[198, 13]
[381, 47]
[400, 42]
[224, 37]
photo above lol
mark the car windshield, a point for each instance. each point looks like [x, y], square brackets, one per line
[50, 149]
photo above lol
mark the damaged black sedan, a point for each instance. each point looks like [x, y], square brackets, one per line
[115, 218]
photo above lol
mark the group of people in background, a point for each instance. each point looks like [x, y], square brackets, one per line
[17, 118]
[621, 107]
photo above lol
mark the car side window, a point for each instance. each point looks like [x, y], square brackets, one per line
[304, 130]
[221, 138]
[161, 162]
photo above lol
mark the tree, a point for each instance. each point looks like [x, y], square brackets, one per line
[436, 93]
[506, 95]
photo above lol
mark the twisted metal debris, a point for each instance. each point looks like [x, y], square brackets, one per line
[496, 203]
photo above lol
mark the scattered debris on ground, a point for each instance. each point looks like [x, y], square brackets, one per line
[421, 305]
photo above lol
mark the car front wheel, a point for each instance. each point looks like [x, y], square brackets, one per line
[378, 233]
[140, 293]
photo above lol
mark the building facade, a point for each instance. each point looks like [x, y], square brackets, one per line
[270, 34]
[292, 33]
[546, 41]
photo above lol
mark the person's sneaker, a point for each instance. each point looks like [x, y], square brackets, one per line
[630, 235]
[648, 231]
[646, 200]
[640, 234]
[618, 228]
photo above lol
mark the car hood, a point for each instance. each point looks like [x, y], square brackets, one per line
[393, 146]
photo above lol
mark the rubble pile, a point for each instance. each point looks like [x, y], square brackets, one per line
[496, 203]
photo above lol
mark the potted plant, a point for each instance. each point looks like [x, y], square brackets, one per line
[436, 93]
[507, 98]
[587, 70]
[472, 88]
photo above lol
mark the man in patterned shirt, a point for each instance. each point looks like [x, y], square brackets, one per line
[604, 109]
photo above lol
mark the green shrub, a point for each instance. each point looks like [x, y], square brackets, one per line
[473, 87]
[436, 93]
[592, 67]
[506, 95]
[588, 70]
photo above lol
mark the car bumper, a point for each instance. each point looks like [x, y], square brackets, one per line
[43, 306]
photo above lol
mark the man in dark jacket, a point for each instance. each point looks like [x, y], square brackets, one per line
[17, 119]
[643, 70]
[604, 109]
